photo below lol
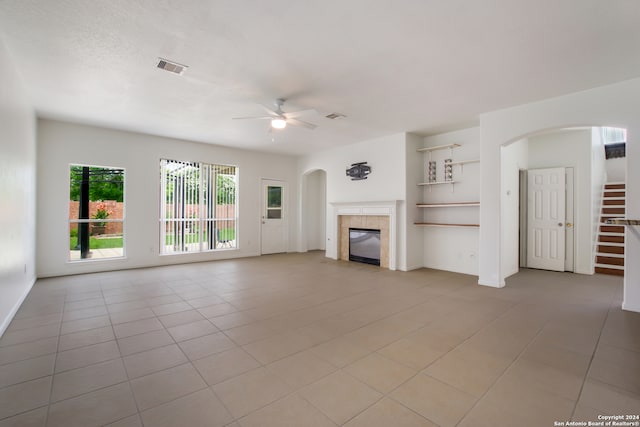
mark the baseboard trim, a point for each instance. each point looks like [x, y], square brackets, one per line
[630, 307]
[491, 284]
[7, 320]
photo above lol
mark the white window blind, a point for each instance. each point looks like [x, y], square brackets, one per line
[198, 207]
[613, 135]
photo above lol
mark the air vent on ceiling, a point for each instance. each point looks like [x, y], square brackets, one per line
[335, 116]
[171, 66]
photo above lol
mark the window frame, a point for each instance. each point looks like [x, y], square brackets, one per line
[89, 221]
[202, 222]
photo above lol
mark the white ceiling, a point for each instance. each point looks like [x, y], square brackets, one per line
[422, 66]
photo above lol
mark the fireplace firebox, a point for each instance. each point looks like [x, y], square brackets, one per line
[364, 245]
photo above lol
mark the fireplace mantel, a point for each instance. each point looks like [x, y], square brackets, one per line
[382, 208]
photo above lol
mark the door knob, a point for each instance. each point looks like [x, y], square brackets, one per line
[569, 224]
[559, 224]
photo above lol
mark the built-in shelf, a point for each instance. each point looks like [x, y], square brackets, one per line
[464, 162]
[461, 163]
[437, 182]
[438, 224]
[437, 147]
[447, 205]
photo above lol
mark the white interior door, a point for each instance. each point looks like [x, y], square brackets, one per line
[546, 219]
[274, 218]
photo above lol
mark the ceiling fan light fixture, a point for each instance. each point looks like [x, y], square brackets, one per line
[278, 123]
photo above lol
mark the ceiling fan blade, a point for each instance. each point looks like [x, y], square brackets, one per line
[294, 114]
[297, 122]
[270, 111]
[254, 118]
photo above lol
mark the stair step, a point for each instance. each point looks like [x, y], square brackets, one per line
[610, 250]
[616, 244]
[613, 267]
[612, 234]
[610, 253]
[612, 228]
[611, 239]
[614, 185]
[615, 194]
[617, 211]
[609, 260]
[609, 270]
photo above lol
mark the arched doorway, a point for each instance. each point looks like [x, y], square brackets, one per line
[572, 243]
[612, 105]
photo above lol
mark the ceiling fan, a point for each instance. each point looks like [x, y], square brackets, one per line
[280, 119]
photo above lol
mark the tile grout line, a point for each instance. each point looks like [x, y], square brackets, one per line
[55, 363]
[593, 355]
[386, 395]
[504, 371]
[518, 357]
[115, 337]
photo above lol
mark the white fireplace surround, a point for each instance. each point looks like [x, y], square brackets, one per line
[386, 208]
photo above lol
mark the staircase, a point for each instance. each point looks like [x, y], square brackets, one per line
[610, 254]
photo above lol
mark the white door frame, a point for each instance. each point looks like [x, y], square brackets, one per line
[523, 217]
[569, 228]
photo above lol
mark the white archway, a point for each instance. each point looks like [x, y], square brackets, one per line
[614, 105]
[581, 149]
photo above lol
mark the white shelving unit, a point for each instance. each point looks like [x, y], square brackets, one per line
[461, 163]
[437, 182]
[447, 205]
[438, 147]
[464, 162]
[438, 224]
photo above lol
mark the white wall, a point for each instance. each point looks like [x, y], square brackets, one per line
[314, 210]
[452, 249]
[387, 180]
[515, 157]
[616, 169]
[613, 105]
[571, 148]
[61, 144]
[17, 191]
[414, 166]
[598, 179]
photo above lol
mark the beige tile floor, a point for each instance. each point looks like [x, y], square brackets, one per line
[299, 340]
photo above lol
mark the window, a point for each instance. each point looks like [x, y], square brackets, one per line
[615, 142]
[96, 212]
[274, 202]
[198, 207]
[613, 135]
